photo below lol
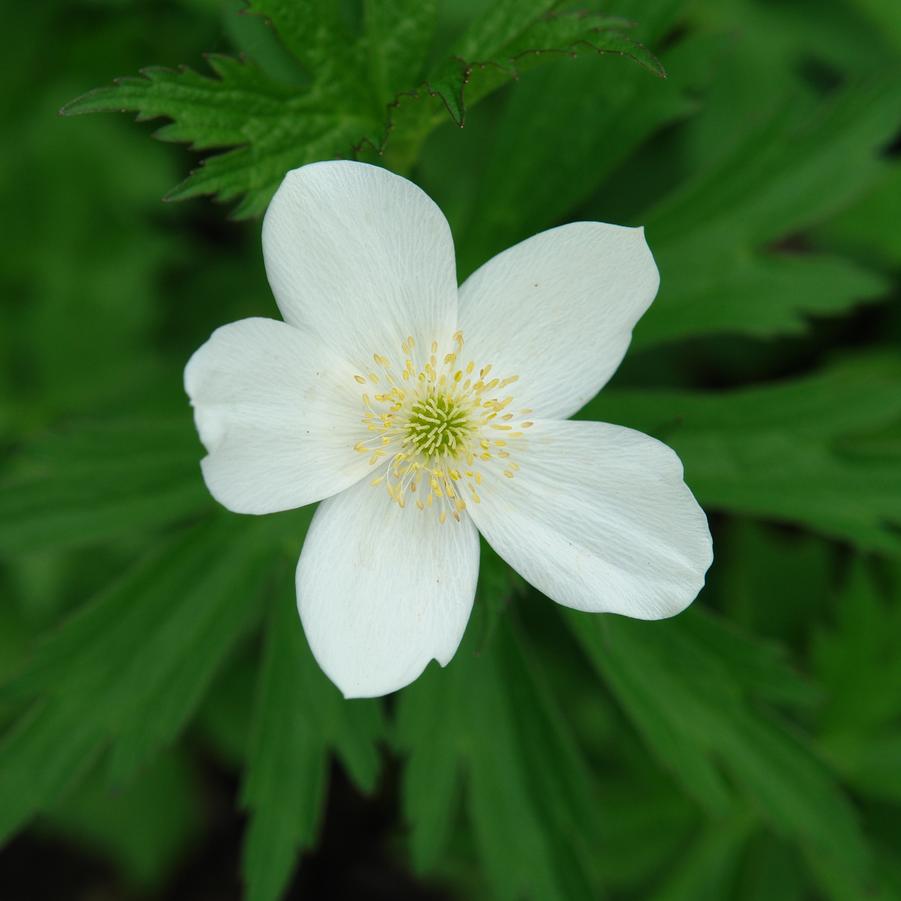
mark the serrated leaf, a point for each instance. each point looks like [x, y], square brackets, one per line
[133, 663]
[784, 451]
[505, 43]
[356, 81]
[272, 126]
[299, 718]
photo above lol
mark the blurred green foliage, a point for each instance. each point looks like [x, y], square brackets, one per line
[751, 748]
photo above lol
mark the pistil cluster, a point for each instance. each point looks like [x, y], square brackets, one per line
[436, 428]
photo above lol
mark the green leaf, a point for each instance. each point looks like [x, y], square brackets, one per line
[356, 80]
[272, 127]
[426, 731]
[398, 33]
[128, 670]
[528, 790]
[299, 717]
[771, 871]
[661, 667]
[785, 451]
[762, 295]
[707, 872]
[313, 31]
[762, 667]
[98, 481]
[142, 827]
[857, 662]
[868, 228]
[565, 116]
[513, 36]
[797, 165]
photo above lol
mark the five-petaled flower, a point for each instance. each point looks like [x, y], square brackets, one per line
[421, 415]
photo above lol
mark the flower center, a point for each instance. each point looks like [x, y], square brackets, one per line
[438, 425]
[436, 430]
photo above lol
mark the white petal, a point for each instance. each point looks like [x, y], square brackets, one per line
[382, 590]
[362, 258]
[278, 414]
[598, 518]
[558, 311]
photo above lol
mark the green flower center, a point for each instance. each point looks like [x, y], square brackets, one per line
[437, 426]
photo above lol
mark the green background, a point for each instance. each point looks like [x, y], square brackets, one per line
[165, 731]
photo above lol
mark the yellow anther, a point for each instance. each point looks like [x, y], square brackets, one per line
[433, 423]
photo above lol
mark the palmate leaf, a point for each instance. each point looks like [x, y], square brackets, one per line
[100, 481]
[490, 721]
[797, 167]
[756, 173]
[671, 684]
[857, 663]
[787, 451]
[299, 718]
[128, 670]
[566, 118]
[355, 81]
[141, 826]
[758, 294]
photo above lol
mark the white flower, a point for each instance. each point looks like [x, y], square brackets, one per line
[424, 415]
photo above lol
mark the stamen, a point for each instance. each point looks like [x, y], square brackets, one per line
[431, 427]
